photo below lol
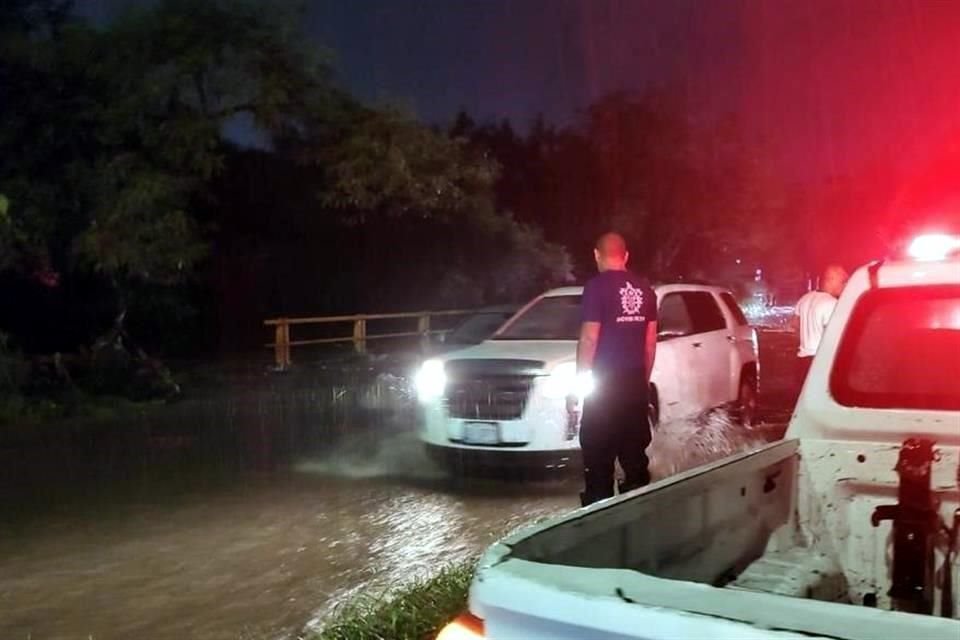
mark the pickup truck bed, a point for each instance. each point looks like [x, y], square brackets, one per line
[739, 547]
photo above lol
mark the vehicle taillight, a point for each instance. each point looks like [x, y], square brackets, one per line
[932, 247]
[466, 627]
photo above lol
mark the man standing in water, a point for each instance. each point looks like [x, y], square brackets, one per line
[617, 346]
[813, 313]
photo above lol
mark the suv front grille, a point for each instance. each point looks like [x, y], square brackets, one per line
[489, 397]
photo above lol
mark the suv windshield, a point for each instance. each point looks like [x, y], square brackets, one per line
[901, 350]
[553, 318]
[478, 328]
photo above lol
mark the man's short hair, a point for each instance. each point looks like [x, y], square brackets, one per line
[612, 245]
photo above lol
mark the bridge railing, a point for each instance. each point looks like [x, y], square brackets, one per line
[283, 343]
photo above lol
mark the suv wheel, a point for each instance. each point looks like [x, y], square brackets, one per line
[745, 409]
[653, 409]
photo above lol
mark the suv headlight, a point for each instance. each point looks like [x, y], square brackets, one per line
[430, 380]
[564, 381]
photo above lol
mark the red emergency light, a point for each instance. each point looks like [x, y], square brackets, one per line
[934, 246]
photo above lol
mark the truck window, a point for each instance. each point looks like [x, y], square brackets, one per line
[673, 317]
[553, 318]
[901, 350]
[704, 312]
[734, 309]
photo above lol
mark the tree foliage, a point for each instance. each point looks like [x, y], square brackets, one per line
[689, 194]
[109, 134]
[115, 139]
[392, 166]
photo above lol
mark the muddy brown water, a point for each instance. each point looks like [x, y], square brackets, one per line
[270, 555]
[262, 559]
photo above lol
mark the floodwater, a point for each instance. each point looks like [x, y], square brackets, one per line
[262, 559]
[270, 555]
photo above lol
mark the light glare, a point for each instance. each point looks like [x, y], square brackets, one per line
[430, 381]
[564, 381]
[935, 246]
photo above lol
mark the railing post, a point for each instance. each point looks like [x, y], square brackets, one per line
[281, 344]
[423, 328]
[287, 358]
[360, 335]
[278, 345]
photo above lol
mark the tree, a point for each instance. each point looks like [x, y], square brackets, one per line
[391, 166]
[115, 148]
[110, 136]
[401, 189]
[691, 195]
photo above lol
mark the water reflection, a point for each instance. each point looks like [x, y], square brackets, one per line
[259, 559]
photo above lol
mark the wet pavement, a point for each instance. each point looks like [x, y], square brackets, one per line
[272, 554]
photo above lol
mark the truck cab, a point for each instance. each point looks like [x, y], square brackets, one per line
[849, 528]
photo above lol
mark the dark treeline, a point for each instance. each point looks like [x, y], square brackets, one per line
[122, 194]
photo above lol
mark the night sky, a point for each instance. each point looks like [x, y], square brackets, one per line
[830, 85]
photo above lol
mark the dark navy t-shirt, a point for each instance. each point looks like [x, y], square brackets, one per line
[623, 304]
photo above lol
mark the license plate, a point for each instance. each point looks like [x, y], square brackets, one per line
[481, 433]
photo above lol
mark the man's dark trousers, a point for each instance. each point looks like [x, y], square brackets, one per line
[615, 426]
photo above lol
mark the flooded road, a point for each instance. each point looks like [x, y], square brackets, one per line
[271, 554]
[260, 560]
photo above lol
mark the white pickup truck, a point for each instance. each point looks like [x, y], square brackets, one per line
[847, 529]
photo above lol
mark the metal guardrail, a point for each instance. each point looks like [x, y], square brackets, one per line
[283, 344]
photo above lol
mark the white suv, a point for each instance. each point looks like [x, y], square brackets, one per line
[503, 400]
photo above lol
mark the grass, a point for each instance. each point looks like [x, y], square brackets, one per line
[415, 611]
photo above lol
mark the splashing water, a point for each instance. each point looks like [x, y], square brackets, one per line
[385, 446]
[684, 444]
[399, 455]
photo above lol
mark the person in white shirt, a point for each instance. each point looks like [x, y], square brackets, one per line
[813, 313]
